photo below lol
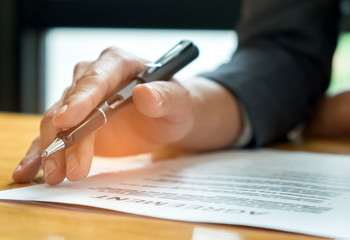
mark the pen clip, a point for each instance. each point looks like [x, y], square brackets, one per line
[171, 62]
[153, 65]
[172, 53]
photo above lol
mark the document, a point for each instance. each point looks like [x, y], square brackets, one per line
[298, 192]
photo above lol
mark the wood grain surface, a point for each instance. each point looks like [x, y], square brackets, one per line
[58, 222]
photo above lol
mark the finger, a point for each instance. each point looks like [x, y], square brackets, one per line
[79, 158]
[98, 81]
[79, 70]
[54, 168]
[30, 165]
[167, 100]
[332, 118]
[53, 165]
[169, 110]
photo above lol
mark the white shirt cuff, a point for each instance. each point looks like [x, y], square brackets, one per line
[247, 133]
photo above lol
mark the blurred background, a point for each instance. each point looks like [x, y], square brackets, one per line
[42, 40]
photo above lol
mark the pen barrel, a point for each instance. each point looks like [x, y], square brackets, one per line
[171, 62]
[90, 124]
[163, 69]
[95, 120]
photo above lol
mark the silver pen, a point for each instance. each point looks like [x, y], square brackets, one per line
[162, 69]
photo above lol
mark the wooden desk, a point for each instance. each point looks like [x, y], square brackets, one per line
[24, 221]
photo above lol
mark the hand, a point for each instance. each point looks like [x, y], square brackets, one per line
[198, 114]
[332, 118]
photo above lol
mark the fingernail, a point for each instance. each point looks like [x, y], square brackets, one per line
[156, 93]
[50, 166]
[61, 110]
[18, 168]
[72, 163]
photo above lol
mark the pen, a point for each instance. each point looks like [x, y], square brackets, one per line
[162, 69]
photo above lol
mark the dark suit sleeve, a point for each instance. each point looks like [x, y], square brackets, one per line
[282, 64]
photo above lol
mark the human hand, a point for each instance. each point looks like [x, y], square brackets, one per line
[332, 118]
[161, 113]
[197, 114]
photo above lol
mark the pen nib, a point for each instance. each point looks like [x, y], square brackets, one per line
[56, 145]
[44, 154]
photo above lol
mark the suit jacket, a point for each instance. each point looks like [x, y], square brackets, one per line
[283, 62]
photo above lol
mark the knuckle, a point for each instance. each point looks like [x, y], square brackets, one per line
[67, 92]
[124, 57]
[83, 95]
[79, 66]
[91, 73]
[79, 70]
[94, 76]
[110, 50]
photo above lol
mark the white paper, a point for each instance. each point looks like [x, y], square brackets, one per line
[292, 191]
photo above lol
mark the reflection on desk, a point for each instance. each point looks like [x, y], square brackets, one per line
[28, 221]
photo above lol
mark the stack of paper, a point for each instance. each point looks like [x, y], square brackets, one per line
[291, 191]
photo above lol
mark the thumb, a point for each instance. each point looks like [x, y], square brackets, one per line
[167, 100]
[168, 111]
